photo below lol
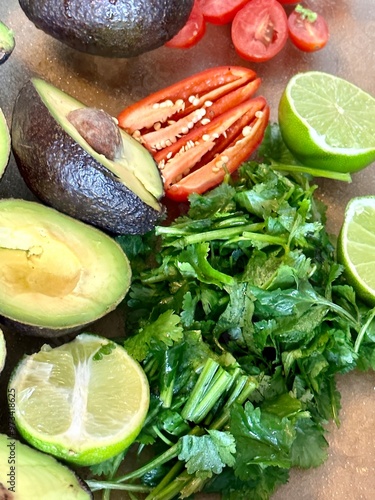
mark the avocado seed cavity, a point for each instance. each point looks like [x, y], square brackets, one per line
[99, 130]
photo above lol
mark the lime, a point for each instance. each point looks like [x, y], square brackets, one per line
[327, 122]
[84, 401]
[3, 351]
[356, 246]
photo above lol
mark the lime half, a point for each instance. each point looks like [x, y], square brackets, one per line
[356, 246]
[84, 401]
[327, 122]
[3, 351]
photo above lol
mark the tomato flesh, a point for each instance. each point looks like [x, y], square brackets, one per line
[307, 35]
[192, 32]
[259, 30]
[220, 11]
[201, 128]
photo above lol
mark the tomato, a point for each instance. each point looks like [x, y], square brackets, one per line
[307, 29]
[287, 2]
[192, 32]
[259, 30]
[220, 11]
[200, 128]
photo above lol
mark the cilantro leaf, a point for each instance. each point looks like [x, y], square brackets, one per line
[208, 454]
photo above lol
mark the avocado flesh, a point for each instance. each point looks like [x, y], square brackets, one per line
[4, 143]
[110, 28]
[6, 42]
[3, 351]
[57, 273]
[136, 169]
[62, 170]
[36, 475]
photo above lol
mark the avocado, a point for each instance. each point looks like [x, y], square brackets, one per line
[119, 195]
[7, 42]
[4, 143]
[57, 274]
[28, 474]
[3, 351]
[111, 28]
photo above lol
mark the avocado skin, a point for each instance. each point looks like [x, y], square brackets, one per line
[110, 28]
[63, 175]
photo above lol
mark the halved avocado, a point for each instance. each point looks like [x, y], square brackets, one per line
[4, 143]
[7, 42]
[63, 170]
[111, 28]
[57, 274]
[28, 474]
[3, 351]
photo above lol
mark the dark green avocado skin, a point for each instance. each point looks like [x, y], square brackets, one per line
[110, 28]
[63, 175]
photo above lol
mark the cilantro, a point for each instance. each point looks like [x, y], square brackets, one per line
[241, 318]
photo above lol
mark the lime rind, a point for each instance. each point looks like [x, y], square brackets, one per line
[327, 122]
[77, 407]
[356, 246]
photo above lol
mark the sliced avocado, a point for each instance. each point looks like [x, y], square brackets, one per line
[4, 143]
[3, 351]
[64, 171]
[111, 28]
[7, 42]
[57, 274]
[28, 474]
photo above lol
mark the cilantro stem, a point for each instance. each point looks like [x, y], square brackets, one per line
[315, 172]
[96, 485]
[363, 330]
[215, 234]
[211, 384]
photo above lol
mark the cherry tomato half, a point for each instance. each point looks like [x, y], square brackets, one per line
[220, 11]
[307, 29]
[259, 30]
[192, 32]
[200, 128]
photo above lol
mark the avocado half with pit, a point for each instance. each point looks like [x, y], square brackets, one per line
[4, 143]
[27, 474]
[119, 192]
[57, 274]
[111, 28]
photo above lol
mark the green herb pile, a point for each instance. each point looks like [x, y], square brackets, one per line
[241, 317]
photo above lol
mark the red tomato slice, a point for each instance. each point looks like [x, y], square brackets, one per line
[259, 30]
[200, 128]
[307, 29]
[287, 2]
[192, 32]
[220, 11]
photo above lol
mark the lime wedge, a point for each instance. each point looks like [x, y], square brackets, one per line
[356, 246]
[3, 351]
[84, 401]
[327, 122]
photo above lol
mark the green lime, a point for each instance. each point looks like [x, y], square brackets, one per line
[84, 401]
[3, 351]
[356, 246]
[327, 122]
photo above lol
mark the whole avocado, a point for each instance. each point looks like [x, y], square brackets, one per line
[110, 28]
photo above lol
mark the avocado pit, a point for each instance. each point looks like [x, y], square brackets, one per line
[99, 130]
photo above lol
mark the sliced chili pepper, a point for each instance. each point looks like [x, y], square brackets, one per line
[195, 124]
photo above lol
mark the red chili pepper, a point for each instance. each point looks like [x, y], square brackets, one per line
[200, 128]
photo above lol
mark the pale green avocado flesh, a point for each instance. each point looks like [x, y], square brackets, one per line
[4, 143]
[27, 474]
[56, 272]
[136, 168]
[7, 42]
